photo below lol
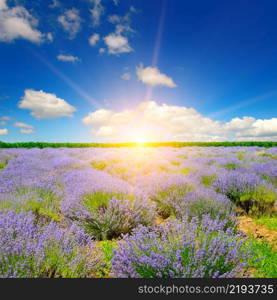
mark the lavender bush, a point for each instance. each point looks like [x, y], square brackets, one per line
[109, 217]
[44, 204]
[198, 249]
[247, 190]
[165, 190]
[30, 250]
[204, 201]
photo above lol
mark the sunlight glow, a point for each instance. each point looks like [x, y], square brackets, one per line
[140, 141]
[139, 136]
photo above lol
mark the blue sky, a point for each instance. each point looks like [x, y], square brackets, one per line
[107, 70]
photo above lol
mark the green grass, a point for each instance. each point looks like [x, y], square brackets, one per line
[99, 165]
[185, 171]
[44, 204]
[106, 248]
[269, 222]
[265, 154]
[2, 165]
[230, 166]
[183, 156]
[264, 259]
[240, 155]
[6, 205]
[207, 180]
[164, 206]
[96, 200]
[265, 199]
[175, 163]
[273, 180]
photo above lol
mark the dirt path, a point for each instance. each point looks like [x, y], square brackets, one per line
[250, 228]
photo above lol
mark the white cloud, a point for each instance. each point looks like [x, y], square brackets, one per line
[3, 4]
[5, 118]
[237, 124]
[98, 118]
[121, 28]
[96, 12]
[117, 41]
[116, 2]
[153, 122]
[249, 127]
[27, 131]
[102, 50]
[4, 131]
[122, 23]
[24, 128]
[104, 131]
[50, 37]
[45, 106]
[71, 22]
[55, 3]
[68, 58]
[117, 44]
[114, 19]
[133, 9]
[152, 76]
[126, 76]
[18, 23]
[22, 125]
[93, 39]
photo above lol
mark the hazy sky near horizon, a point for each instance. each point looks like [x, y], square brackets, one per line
[138, 70]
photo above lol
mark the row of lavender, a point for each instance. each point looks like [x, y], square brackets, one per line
[56, 204]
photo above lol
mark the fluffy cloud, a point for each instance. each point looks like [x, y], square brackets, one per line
[133, 9]
[114, 19]
[153, 122]
[45, 106]
[22, 125]
[117, 44]
[71, 22]
[5, 118]
[126, 76]
[18, 23]
[3, 4]
[68, 58]
[50, 37]
[4, 131]
[27, 131]
[152, 76]
[122, 23]
[102, 50]
[24, 128]
[98, 118]
[55, 3]
[93, 39]
[249, 127]
[96, 12]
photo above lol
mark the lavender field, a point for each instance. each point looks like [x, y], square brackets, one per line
[138, 212]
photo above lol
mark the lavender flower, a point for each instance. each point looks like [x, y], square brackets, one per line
[198, 249]
[30, 250]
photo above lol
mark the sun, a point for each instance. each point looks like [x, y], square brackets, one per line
[140, 140]
[139, 135]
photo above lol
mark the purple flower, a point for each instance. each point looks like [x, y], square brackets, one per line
[28, 249]
[181, 249]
